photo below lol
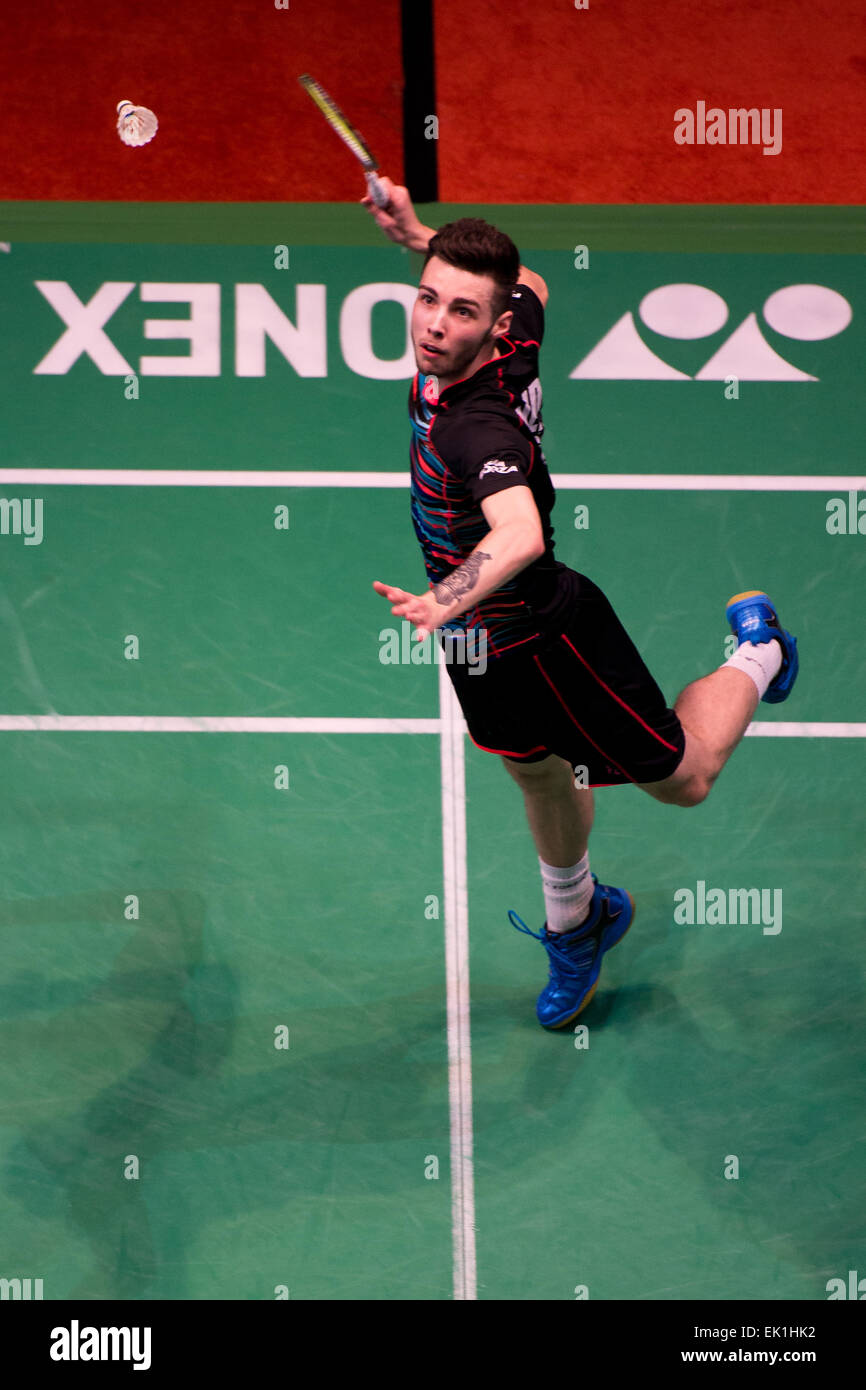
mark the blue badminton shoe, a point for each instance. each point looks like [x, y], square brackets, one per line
[753, 619]
[575, 956]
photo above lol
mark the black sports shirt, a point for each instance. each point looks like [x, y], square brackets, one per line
[479, 436]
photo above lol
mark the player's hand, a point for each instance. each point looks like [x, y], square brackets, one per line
[398, 220]
[420, 609]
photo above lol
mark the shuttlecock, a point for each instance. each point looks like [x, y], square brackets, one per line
[135, 124]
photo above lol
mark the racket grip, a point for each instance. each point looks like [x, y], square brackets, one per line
[376, 190]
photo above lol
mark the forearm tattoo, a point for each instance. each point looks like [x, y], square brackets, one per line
[461, 581]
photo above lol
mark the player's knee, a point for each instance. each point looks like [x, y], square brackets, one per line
[690, 792]
[693, 792]
[547, 772]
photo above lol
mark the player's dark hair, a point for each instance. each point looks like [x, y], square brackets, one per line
[473, 244]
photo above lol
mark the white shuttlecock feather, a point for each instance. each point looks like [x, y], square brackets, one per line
[135, 124]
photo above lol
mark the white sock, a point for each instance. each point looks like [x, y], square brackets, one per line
[567, 894]
[762, 661]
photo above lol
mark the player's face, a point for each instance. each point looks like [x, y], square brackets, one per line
[454, 328]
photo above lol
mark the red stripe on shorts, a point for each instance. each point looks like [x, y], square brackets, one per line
[616, 697]
[506, 753]
[574, 721]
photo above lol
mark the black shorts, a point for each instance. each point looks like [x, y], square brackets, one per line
[582, 692]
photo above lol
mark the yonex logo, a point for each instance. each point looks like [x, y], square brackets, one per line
[300, 334]
[497, 466]
[686, 311]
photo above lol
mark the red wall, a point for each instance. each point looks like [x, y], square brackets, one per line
[537, 101]
[222, 80]
[578, 105]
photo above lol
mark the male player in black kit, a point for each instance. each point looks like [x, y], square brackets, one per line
[565, 700]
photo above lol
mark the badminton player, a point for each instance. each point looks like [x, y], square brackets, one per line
[564, 698]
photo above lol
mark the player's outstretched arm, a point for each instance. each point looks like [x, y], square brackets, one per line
[514, 540]
[398, 221]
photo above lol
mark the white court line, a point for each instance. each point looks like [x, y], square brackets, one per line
[192, 477]
[779, 729]
[190, 724]
[217, 724]
[457, 988]
[708, 482]
[653, 482]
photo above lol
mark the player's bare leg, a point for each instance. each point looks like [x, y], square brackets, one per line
[584, 918]
[560, 814]
[715, 712]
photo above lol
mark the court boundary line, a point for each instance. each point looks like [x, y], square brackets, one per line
[210, 724]
[640, 482]
[454, 877]
[242, 724]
